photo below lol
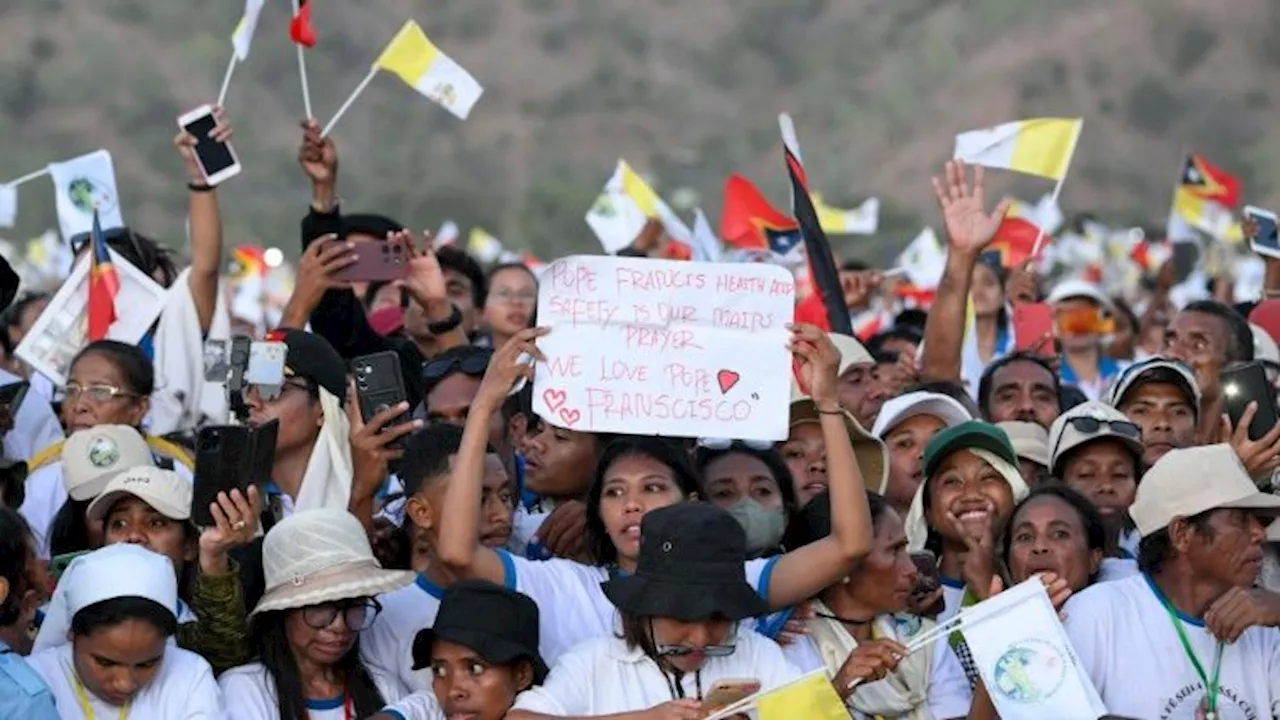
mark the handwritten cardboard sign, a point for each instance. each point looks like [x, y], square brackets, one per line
[658, 347]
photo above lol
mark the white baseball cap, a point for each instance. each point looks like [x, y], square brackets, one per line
[91, 457]
[904, 407]
[1086, 423]
[1193, 480]
[1030, 440]
[1068, 289]
[167, 492]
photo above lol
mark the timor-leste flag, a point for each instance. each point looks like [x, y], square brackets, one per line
[1208, 181]
[104, 285]
[749, 222]
[825, 302]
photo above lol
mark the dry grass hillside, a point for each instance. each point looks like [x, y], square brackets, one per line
[687, 91]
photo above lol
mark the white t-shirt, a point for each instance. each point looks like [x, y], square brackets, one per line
[1128, 646]
[183, 689]
[418, 706]
[251, 695]
[952, 594]
[604, 676]
[524, 531]
[948, 694]
[572, 607]
[387, 646]
[1113, 569]
[46, 494]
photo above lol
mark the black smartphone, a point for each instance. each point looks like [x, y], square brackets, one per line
[230, 457]
[1248, 383]
[12, 395]
[379, 385]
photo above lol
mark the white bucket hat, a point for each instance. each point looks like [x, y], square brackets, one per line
[318, 556]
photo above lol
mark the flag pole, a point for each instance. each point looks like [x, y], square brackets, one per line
[1057, 189]
[302, 72]
[350, 100]
[226, 80]
[27, 178]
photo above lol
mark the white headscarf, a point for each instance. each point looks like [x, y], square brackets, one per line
[121, 570]
[917, 526]
[327, 480]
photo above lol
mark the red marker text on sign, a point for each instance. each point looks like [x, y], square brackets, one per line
[616, 370]
[659, 280]
[739, 284]
[573, 278]
[643, 338]
[605, 404]
[741, 319]
[684, 378]
[565, 366]
[781, 287]
[583, 312]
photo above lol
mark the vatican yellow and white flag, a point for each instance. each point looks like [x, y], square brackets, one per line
[418, 62]
[862, 220]
[627, 201]
[1041, 146]
[483, 246]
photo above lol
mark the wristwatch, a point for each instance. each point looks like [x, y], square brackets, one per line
[441, 327]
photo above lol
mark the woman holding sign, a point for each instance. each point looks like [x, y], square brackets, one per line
[633, 478]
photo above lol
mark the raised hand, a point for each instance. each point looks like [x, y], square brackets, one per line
[186, 144]
[235, 517]
[507, 366]
[819, 362]
[317, 155]
[969, 227]
[425, 280]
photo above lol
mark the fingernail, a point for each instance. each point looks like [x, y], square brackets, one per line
[417, 423]
[403, 405]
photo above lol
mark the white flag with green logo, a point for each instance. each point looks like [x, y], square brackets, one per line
[82, 184]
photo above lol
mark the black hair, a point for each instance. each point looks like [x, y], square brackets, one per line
[1070, 396]
[952, 389]
[520, 403]
[503, 267]
[913, 318]
[662, 450]
[12, 317]
[276, 656]
[1239, 335]
[69, 532]
[985, 385]
[854, 265]
[460, 261]
[371, 292]
[113, 611]
[885, 357]
[145, 254]
[1095, 532]
[426, 455]
[16, 555]
[456, 353]
[1156, 549]
[813, 522]
[897, 332]
[771, 458]
[139, 374]
[13, 485]
[630, 251]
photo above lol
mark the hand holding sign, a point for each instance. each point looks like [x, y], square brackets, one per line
[509, 365]
[819, 361]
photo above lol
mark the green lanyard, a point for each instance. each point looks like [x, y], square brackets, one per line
[1210, 683]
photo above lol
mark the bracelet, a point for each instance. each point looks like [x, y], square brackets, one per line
[448, 324]
[837, 411]
[199, 187]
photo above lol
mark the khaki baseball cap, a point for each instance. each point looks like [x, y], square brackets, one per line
[1155, 370]
[167, 492]
[852, 352]
[1087, 422]
[1030, 440]
[1193, 480]
[868, 450]
[90, 458]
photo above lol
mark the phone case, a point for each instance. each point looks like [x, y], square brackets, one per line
[1243, 385]
[376, 261]
[1031, 323]
[379, 385]
[230, 457]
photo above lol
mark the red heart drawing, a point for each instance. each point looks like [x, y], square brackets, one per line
[570, 417]
[555, 399]
[727, 379]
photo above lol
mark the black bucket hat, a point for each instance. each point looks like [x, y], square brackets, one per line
[690, 568]
[500, 625]
[312, 357]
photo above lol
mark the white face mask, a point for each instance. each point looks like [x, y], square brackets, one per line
[764, 526]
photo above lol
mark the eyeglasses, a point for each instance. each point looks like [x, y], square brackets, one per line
[474, 364]
[507, 296]
[356, 614]
[711, 651]
[97, 393]
[726, 443]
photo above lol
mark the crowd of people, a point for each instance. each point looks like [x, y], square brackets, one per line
[459, 556]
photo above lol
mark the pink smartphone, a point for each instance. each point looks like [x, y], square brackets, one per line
[1033, 327]
[376, 261]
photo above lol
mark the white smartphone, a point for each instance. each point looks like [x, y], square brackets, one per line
[1265, 241]
[217, 159]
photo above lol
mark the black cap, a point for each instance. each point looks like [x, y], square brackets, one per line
[691, 567]
[312, 357]
[500, 625]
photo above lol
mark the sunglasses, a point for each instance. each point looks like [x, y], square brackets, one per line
[1092, 426]
[711, 651]
[80, 241]
[474, 365]
[356, 614]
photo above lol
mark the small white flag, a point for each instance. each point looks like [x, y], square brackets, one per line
[1025, 659]
[82, 184]
[924, 260]
[862, 220]
[8, 205]
[706, 245]
[243, 35]
[447, 234]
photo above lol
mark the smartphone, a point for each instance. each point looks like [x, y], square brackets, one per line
[1033, 328]
[217, 160]
[1248, 383]
[12, 395]
[230, 457]
[727, 692]
[266, 363]
[1265, 241]
[376, 261]
[379, 385]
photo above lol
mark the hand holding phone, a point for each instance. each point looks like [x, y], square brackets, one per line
[376, 261]
[727, 692]
[1264, 238]
[1248, 383]
[208, 144]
